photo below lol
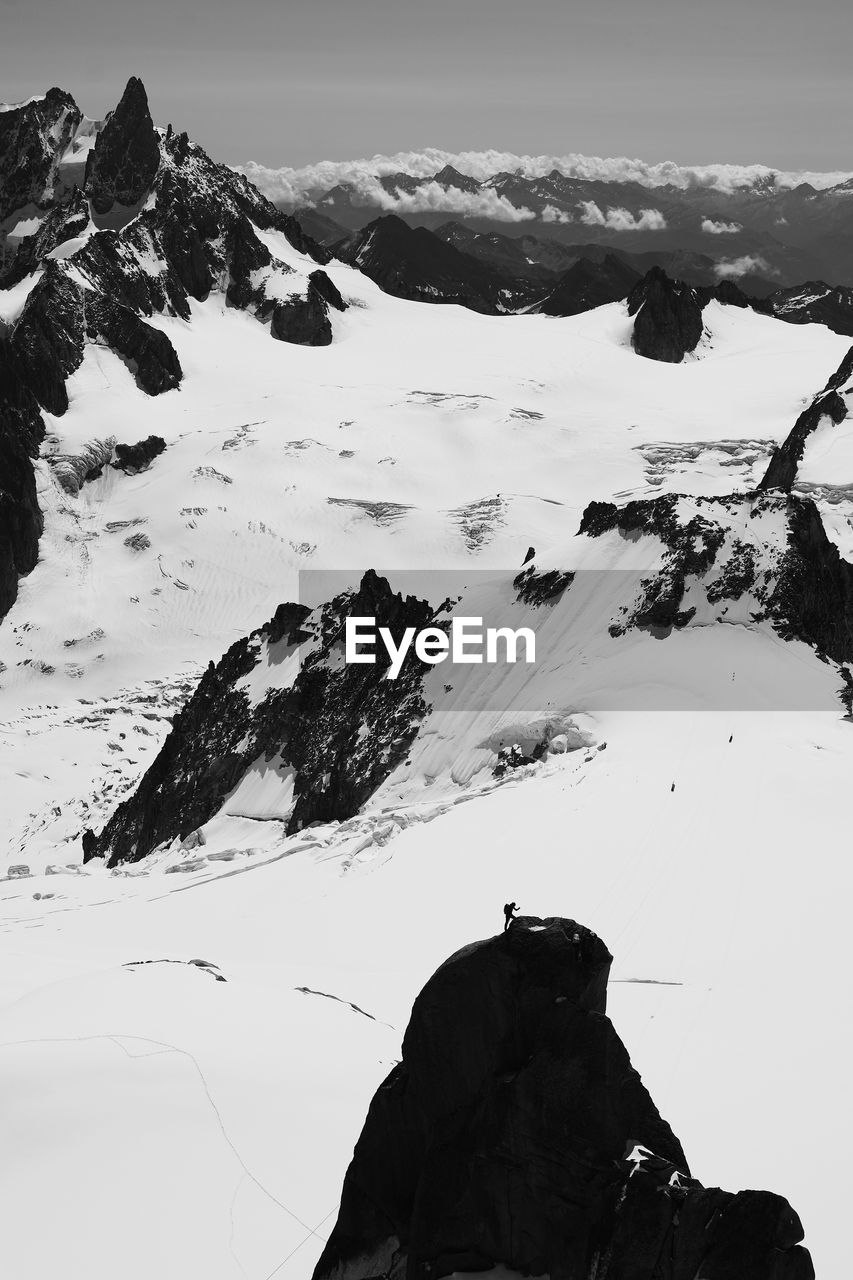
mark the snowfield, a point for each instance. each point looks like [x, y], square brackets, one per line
[177, 1119]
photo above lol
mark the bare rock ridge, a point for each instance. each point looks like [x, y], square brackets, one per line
[516, 1132]
[307, 725]
[829, 403]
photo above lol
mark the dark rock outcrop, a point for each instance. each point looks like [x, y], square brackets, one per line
[782, 469]
[131, 458]
[124, 160]
[807, 595]
[516, 1132]
[327, 290]
[246, 254]
[306, 726]
[668, 317]
[146, 351]
[33, 138]
[63, 222]
[589, 284]
[306, 320]
[21, 433]
[48, 340]
[302, 320]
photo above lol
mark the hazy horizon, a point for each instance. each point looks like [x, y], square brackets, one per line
[294, 85]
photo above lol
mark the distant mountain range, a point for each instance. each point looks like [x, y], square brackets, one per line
[745, 223]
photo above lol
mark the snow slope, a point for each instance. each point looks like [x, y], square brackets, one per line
[209, 1123]
[422, 437]
[725, 907]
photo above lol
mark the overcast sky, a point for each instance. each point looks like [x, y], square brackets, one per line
[287, 83]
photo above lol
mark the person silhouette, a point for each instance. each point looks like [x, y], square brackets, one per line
[509, 909]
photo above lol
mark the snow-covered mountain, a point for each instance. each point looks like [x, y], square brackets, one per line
[217, 442]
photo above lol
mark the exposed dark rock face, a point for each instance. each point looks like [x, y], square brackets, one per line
[815, 303]
[782, 470]
[589, 284]
[21, 433]
[306, 320]
[33, 138]
[813, 599]
[246, 255]
[204, 755]
[412, 262]
[668, 321]
[328, 291]
[124, 161]
[302, 320]
[131, 458]
[47, 342]
[147, 352]
[541, 588]
[807, 595]
[306, 726]
[63, 222]
[516, 1132]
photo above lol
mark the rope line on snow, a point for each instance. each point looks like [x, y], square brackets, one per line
[162, 1046]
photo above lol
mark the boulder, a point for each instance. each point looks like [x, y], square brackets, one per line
[304, 321]
[131, 458]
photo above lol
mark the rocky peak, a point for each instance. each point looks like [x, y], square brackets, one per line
[33, 138]
[516, 1132]
[589, 284]
[414, 263]
[450, 177]
[124, 161]
[668, 317]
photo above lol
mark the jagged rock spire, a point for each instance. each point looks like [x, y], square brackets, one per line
[124, 161]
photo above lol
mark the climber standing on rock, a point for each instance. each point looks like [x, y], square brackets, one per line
[509, 909]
